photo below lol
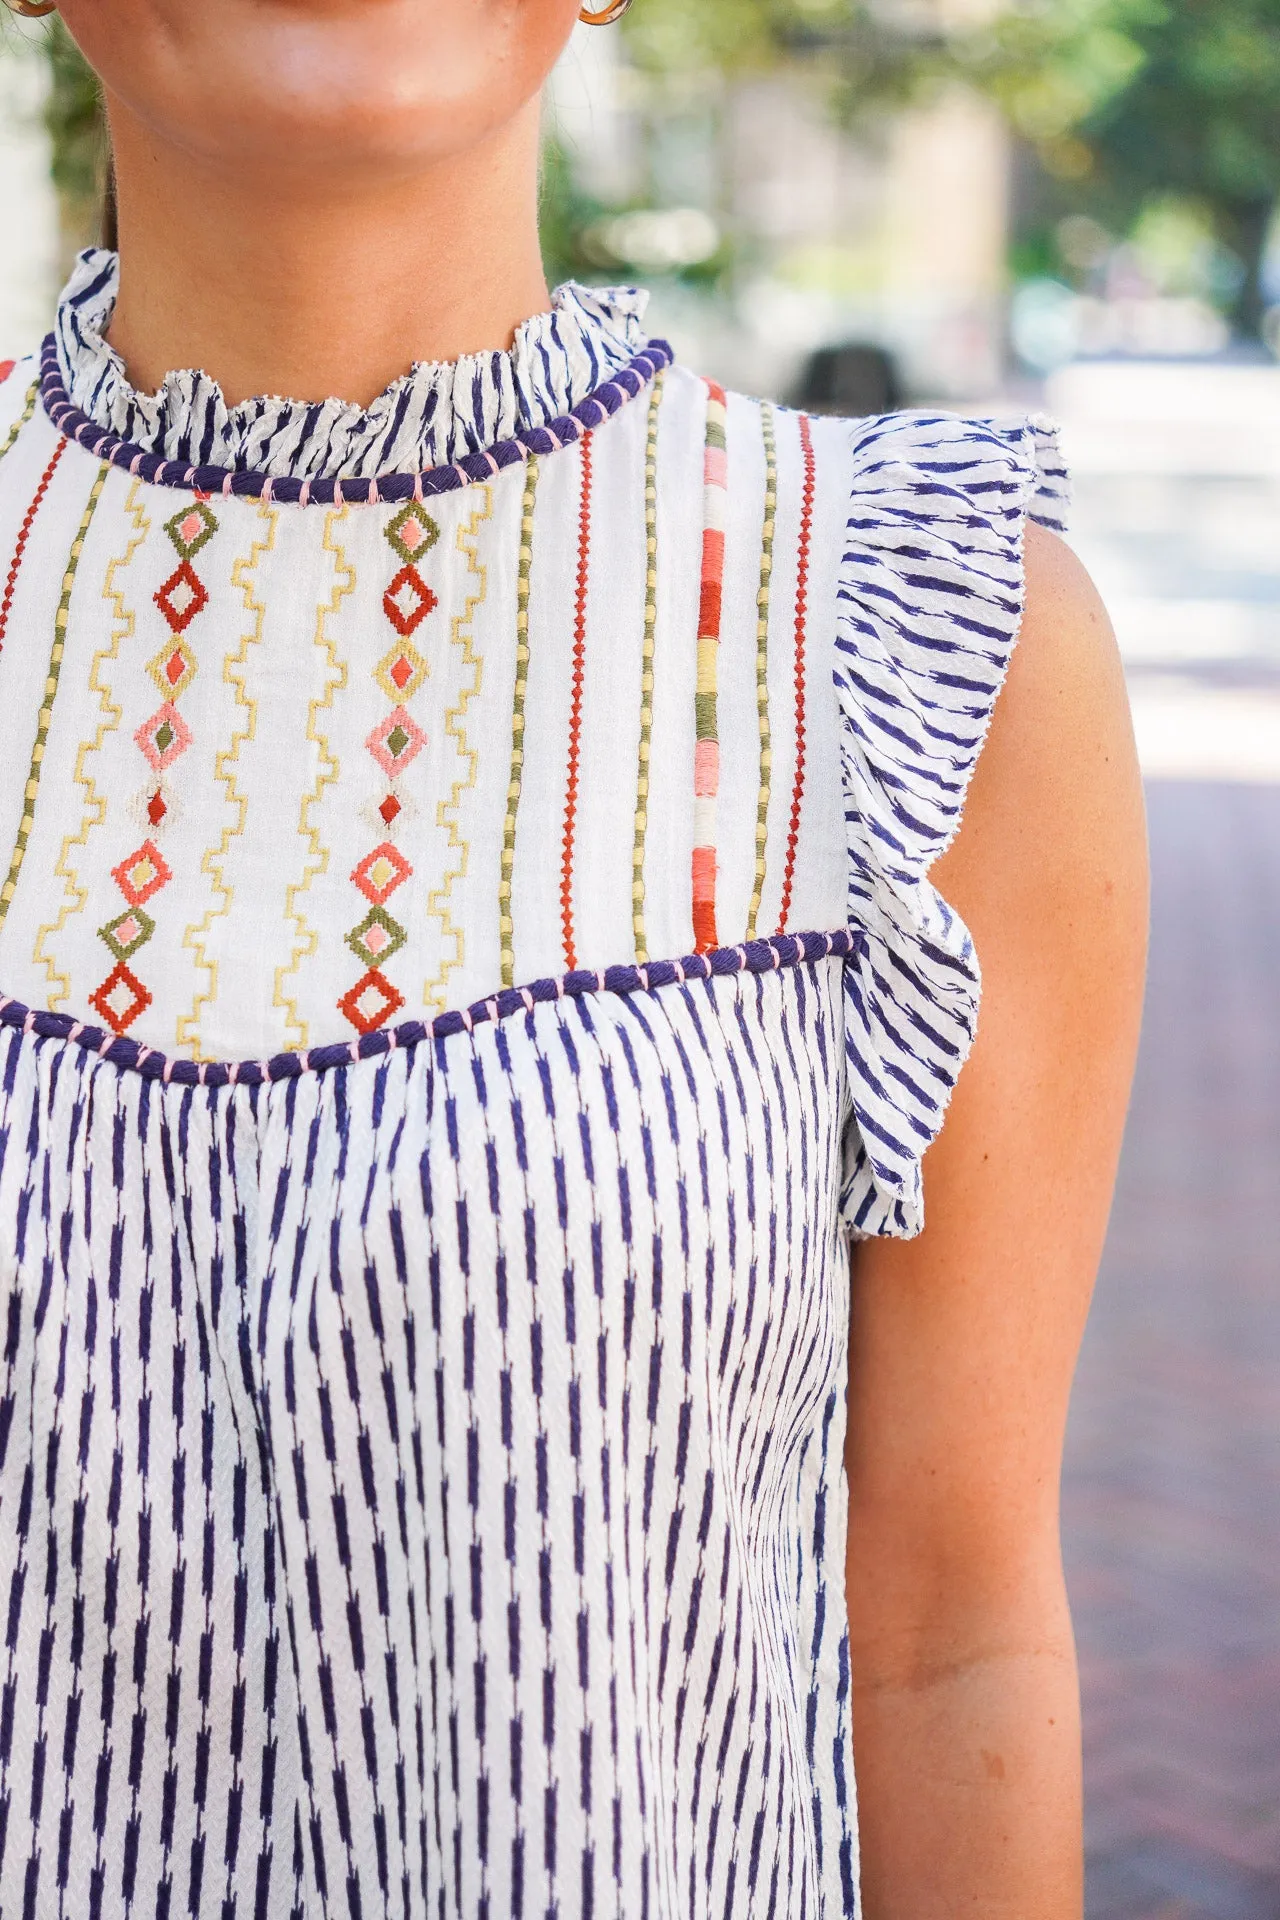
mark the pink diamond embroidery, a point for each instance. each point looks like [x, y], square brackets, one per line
[396, 741]
[164, 736]
[381, 872]
[191, 528]
[142, 874]
[412, 532]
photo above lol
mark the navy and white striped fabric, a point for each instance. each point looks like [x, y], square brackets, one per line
[930, 602]
[420, 1482]
[432, 416]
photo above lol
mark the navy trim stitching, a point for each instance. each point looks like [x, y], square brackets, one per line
[389, 488]
[756, 956]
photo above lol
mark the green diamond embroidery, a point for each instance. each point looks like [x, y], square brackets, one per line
[412, 532]
[376, 938]
[397, 741]
[127, 932]
[191, 528]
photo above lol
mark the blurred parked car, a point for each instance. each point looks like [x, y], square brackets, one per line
[853, 379]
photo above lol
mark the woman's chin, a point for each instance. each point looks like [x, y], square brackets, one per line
[319, 89]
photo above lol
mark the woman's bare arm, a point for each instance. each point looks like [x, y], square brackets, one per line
[966, 1722]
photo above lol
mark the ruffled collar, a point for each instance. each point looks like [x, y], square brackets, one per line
[433, 415]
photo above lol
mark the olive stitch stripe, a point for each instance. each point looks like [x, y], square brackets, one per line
[29, 407]
[755, 956]
[50, 693]
[762, 655]
[646, 665]
[625, 385]
[523, 570]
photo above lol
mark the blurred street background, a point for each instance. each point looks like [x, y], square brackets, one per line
[990, 205]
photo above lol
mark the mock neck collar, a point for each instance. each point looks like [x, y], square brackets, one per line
[431, 416]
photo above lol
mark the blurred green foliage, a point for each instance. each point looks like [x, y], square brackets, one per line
[875, 53]
[1130, 104]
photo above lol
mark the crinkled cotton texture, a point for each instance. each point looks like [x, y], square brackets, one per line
[422, 1428]
[929, 605]
[431, 416]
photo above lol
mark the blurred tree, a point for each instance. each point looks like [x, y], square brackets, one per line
[1201, 117]
[1129, 102]
[876, 52]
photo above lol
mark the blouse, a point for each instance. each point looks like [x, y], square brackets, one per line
[468, 968]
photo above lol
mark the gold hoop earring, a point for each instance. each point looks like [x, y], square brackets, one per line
[32, 9]
[605, 16]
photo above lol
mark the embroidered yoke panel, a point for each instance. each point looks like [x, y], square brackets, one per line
[305, 771]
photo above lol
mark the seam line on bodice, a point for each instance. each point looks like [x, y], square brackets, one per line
[755, 956]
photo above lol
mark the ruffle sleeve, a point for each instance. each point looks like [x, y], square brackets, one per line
[930, 602]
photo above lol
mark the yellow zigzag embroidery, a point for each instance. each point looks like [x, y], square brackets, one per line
[330, 769]
[455, 727]
[30, 792]
[75, 896]
[233, 672]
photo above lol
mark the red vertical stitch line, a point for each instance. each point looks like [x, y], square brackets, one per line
[575, 707]
[24, 534]
[802, 621]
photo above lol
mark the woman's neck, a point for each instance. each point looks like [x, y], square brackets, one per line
[275, 291]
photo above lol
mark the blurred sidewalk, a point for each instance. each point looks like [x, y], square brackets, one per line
[1172, 1493]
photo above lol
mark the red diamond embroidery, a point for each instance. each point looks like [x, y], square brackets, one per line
[164, 736]
[380, 873]
[396, 741]
[371, 1002]
[181, 597]
[407, 601]
[120, 999]
[141, 874]
[156, 808]
[389, 808]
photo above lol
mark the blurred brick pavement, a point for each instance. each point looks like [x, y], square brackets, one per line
[1172, 1495]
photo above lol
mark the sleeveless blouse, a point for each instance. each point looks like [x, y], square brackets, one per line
[467, 969]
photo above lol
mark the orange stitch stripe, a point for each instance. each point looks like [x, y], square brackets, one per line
[575, 708]
[6, 368]
[802, 615]
[24, 534]
[706, 753]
